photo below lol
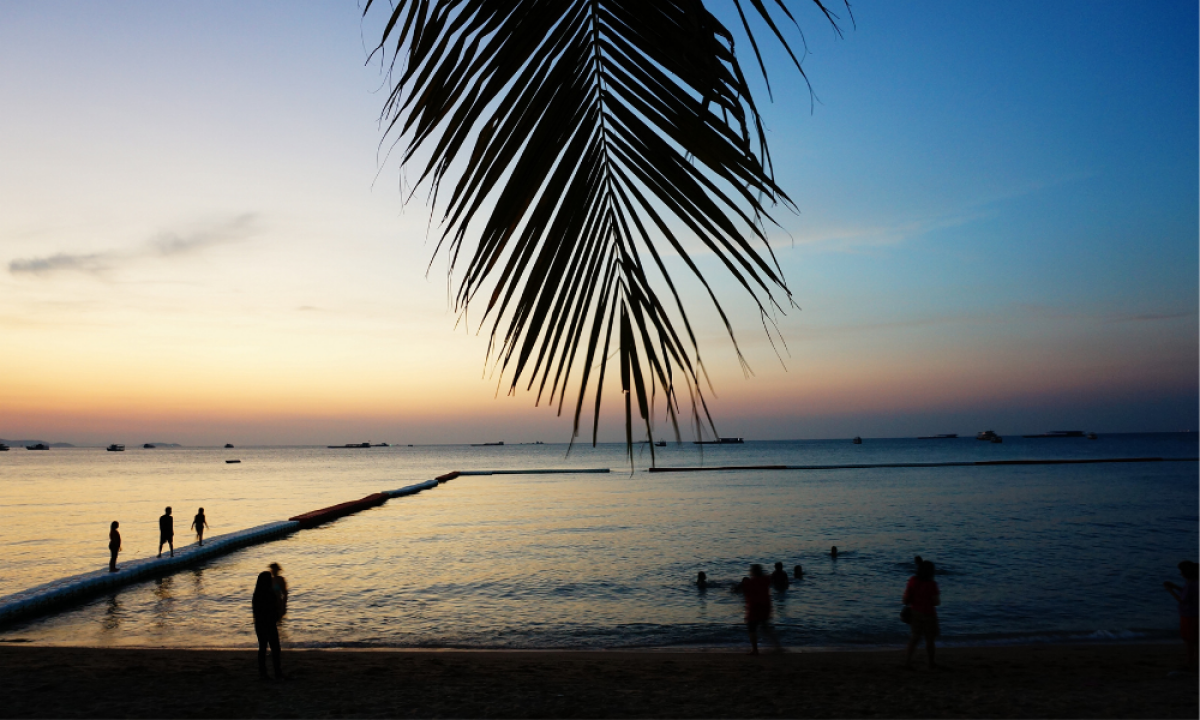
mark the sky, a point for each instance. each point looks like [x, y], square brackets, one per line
[203, 239]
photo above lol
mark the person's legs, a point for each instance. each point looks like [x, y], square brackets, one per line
[929, 650]
[752, 628]
[161, 541]
[262, 654]
[112, 561]
[912, 647]
[171, 544]
[276, 659]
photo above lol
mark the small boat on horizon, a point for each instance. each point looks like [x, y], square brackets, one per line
[720, 441]
[660, 443]
[39, 446]
[228, 446]
[1059, 434]
[232, 461]
[148, 446]
[3, 447]
[857, 440]
[943, 436]
[495, 444]
[349, 446]
[115, 447]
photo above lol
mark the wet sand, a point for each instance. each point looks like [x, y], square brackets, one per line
[1011, 682]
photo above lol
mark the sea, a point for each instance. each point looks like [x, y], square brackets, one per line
[1068, 553]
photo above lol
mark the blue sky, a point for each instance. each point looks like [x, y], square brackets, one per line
[997, 228]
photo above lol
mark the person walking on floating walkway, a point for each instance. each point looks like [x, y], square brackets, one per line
[266, 625]
[198, 524]
[922, 595]
[114, 545]
[166, 532]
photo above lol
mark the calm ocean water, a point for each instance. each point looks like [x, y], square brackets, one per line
[1025, 553]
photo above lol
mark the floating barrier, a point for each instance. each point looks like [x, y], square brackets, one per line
[977, 463]
[333, 512]
[411, 489]
[61, 593]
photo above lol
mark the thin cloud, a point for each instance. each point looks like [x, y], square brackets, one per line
[164, 245]
[169, 243]
[92, 263]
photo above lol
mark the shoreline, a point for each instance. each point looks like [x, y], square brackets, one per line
[1093, 680]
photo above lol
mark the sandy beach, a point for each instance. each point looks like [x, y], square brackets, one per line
[1019, 682]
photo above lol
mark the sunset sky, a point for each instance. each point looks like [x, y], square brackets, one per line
[203, 240]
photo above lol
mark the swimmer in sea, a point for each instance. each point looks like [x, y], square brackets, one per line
[798, 572]
[779, 578]
[701, 580]
[833, 552]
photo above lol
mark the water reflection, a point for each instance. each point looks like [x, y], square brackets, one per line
[164, 600]
[113, 615]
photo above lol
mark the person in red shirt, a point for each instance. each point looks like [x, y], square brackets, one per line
[757, 591]
[921, 594]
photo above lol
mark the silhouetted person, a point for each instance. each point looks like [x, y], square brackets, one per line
[198, 524]
[114, 545]
[279, 587]
[779, 578]
[922, 595]
[798, 572]
[833, 552]
[1187, 598]
[166, 532]
[757, 589]
[702, 580]
[266, 625]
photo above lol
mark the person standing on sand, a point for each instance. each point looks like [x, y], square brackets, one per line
[266, 625]
[198, 523]
[922, 595]
[757, 591]
[114, 545]
[1187, 598]
[166, 532]
[279, 587]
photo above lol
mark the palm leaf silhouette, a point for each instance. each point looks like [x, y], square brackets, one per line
[584, 141]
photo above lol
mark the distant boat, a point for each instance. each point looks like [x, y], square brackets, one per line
[228, 446]
[487, 444]
[944, 436]
[148, 446]
[1092, 436]
[115, 447]
[986, 435]
[857, 440]
[3, 447]
[660, 443]
[351, 446]
[381, 445]
[1059, 434]
[39, 446]
[233, 461]
[720, 441]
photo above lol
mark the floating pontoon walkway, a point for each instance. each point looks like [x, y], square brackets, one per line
[68, 591]
[977, 463]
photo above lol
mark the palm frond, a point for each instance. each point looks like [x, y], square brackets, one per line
[579, 139]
